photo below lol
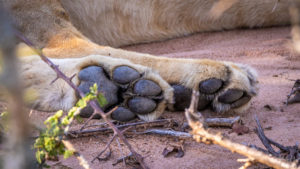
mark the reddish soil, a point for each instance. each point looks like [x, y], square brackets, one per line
[267, 50]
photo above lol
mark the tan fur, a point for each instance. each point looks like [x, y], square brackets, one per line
[116, 23]
[49, 24]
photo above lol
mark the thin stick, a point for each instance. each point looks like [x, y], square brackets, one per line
[221, 122]
[158, 122]
[91, 117]
[105, 148]
[200, 134]
[166, 132]
[87, 121]
[122, 153]
[264, 140]
[92, 103]
[122, 159]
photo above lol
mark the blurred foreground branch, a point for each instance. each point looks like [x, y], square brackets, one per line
[201, 134]
[18, 153]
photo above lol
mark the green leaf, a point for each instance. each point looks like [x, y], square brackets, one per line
[40, 156]
[58, 114]
[65, 121]
[101, 100]
[81, 103]
[68, 153]
[94, 89]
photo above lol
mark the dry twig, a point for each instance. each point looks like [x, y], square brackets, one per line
[91, 117]
[221, 122]
[290, 153]
[211, 122]
[166, 132]
[108, 146]
[140, 123]
[200, 134]
[105, 148]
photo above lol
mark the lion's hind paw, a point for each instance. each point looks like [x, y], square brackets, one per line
[230, 91]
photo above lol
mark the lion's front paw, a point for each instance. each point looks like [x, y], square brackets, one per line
[224, 87]
[136, 90]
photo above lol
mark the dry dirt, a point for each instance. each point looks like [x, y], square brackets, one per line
[267, 50]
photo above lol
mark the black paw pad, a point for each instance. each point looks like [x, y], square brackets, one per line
[231, 96]
[183, 95]
[95, 74]
[210, 86]
[141, 105]
[122, 114]
[242, 101]
[125, 74]
[146, 88]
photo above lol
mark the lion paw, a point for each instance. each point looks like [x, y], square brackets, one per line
[126, 88]
[231, 89]
[135, 89]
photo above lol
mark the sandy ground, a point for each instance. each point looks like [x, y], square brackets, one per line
[267, 50]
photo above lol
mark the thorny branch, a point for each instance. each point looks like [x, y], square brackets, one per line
[92, 103]
[200, 134]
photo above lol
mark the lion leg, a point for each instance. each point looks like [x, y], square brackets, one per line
[223, 85]
[136, 90]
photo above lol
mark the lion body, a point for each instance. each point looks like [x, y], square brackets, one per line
[118, 23]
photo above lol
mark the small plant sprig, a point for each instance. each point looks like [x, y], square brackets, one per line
[49, 143]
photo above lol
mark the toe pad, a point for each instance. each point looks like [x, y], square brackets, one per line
[231, 96]
[210, 86]
[141, 105]
[125, 74]
[122, 114]
[146, 88]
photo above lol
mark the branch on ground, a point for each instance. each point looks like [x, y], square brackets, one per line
[201, 134]
[290, 153]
